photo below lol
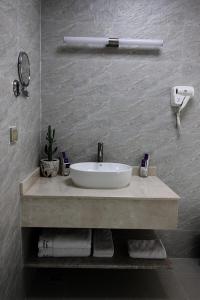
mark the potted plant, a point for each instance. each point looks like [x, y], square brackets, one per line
[50, 166]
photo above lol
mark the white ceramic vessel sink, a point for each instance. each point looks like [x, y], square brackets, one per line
[100, 175]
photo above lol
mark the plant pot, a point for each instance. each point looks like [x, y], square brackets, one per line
[49, 168]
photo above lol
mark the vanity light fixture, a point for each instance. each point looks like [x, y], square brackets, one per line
[113, 42]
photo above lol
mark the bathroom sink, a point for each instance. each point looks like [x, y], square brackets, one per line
[100, 175]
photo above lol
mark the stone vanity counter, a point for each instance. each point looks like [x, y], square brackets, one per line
[147, 203]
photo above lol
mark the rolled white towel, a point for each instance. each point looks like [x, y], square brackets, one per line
[59, 252]
[150, 249]
[65, 239]
[102, 243]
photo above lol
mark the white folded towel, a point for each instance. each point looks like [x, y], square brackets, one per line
[59, 252]
[102, 243]
[65, 239]
[150, 249]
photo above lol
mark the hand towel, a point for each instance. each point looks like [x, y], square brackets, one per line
[69, 238]
[102, 243]
[150, 249]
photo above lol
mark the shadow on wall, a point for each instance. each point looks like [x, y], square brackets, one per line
[180, 243]
[63, 50]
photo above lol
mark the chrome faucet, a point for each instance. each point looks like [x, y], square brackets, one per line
[100, 152]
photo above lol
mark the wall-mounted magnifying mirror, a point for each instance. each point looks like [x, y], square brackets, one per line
[24, 72]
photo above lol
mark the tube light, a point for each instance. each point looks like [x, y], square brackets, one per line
[113, 42]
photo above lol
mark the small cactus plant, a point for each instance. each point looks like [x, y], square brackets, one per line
[49, 147]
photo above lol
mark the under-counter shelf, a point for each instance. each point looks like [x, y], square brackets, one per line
[117, 262]
[147, 203]
[120, 260]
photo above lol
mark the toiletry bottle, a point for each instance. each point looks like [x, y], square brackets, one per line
[64, 164]
[146, 158]
[144, 168]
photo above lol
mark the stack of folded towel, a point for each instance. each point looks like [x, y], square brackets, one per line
[102, 243]
[149, 249]
[65, 243]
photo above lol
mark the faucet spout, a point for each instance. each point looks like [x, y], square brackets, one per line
[100, 152]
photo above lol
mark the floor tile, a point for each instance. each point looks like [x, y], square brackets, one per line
[191, 285]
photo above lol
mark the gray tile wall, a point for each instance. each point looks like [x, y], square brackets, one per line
[19, 30]
[122, 97]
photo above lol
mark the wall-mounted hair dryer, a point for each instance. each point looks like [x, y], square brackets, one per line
[180, 96]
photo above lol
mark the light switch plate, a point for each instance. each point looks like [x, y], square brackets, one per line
[13, 134]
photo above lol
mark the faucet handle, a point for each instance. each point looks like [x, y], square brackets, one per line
[100, 146]
[100, 152]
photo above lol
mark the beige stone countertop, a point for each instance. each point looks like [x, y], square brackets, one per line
[140, 188]
[147, 203]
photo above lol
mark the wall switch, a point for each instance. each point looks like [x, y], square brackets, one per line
[13, 134]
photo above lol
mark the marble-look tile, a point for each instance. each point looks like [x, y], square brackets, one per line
[180, 243]
[191, 43]
[189, 213]
[175, 12]
[19, 30]
[122, 97]
[186, 266]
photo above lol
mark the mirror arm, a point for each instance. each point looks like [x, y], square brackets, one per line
[25, 93]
